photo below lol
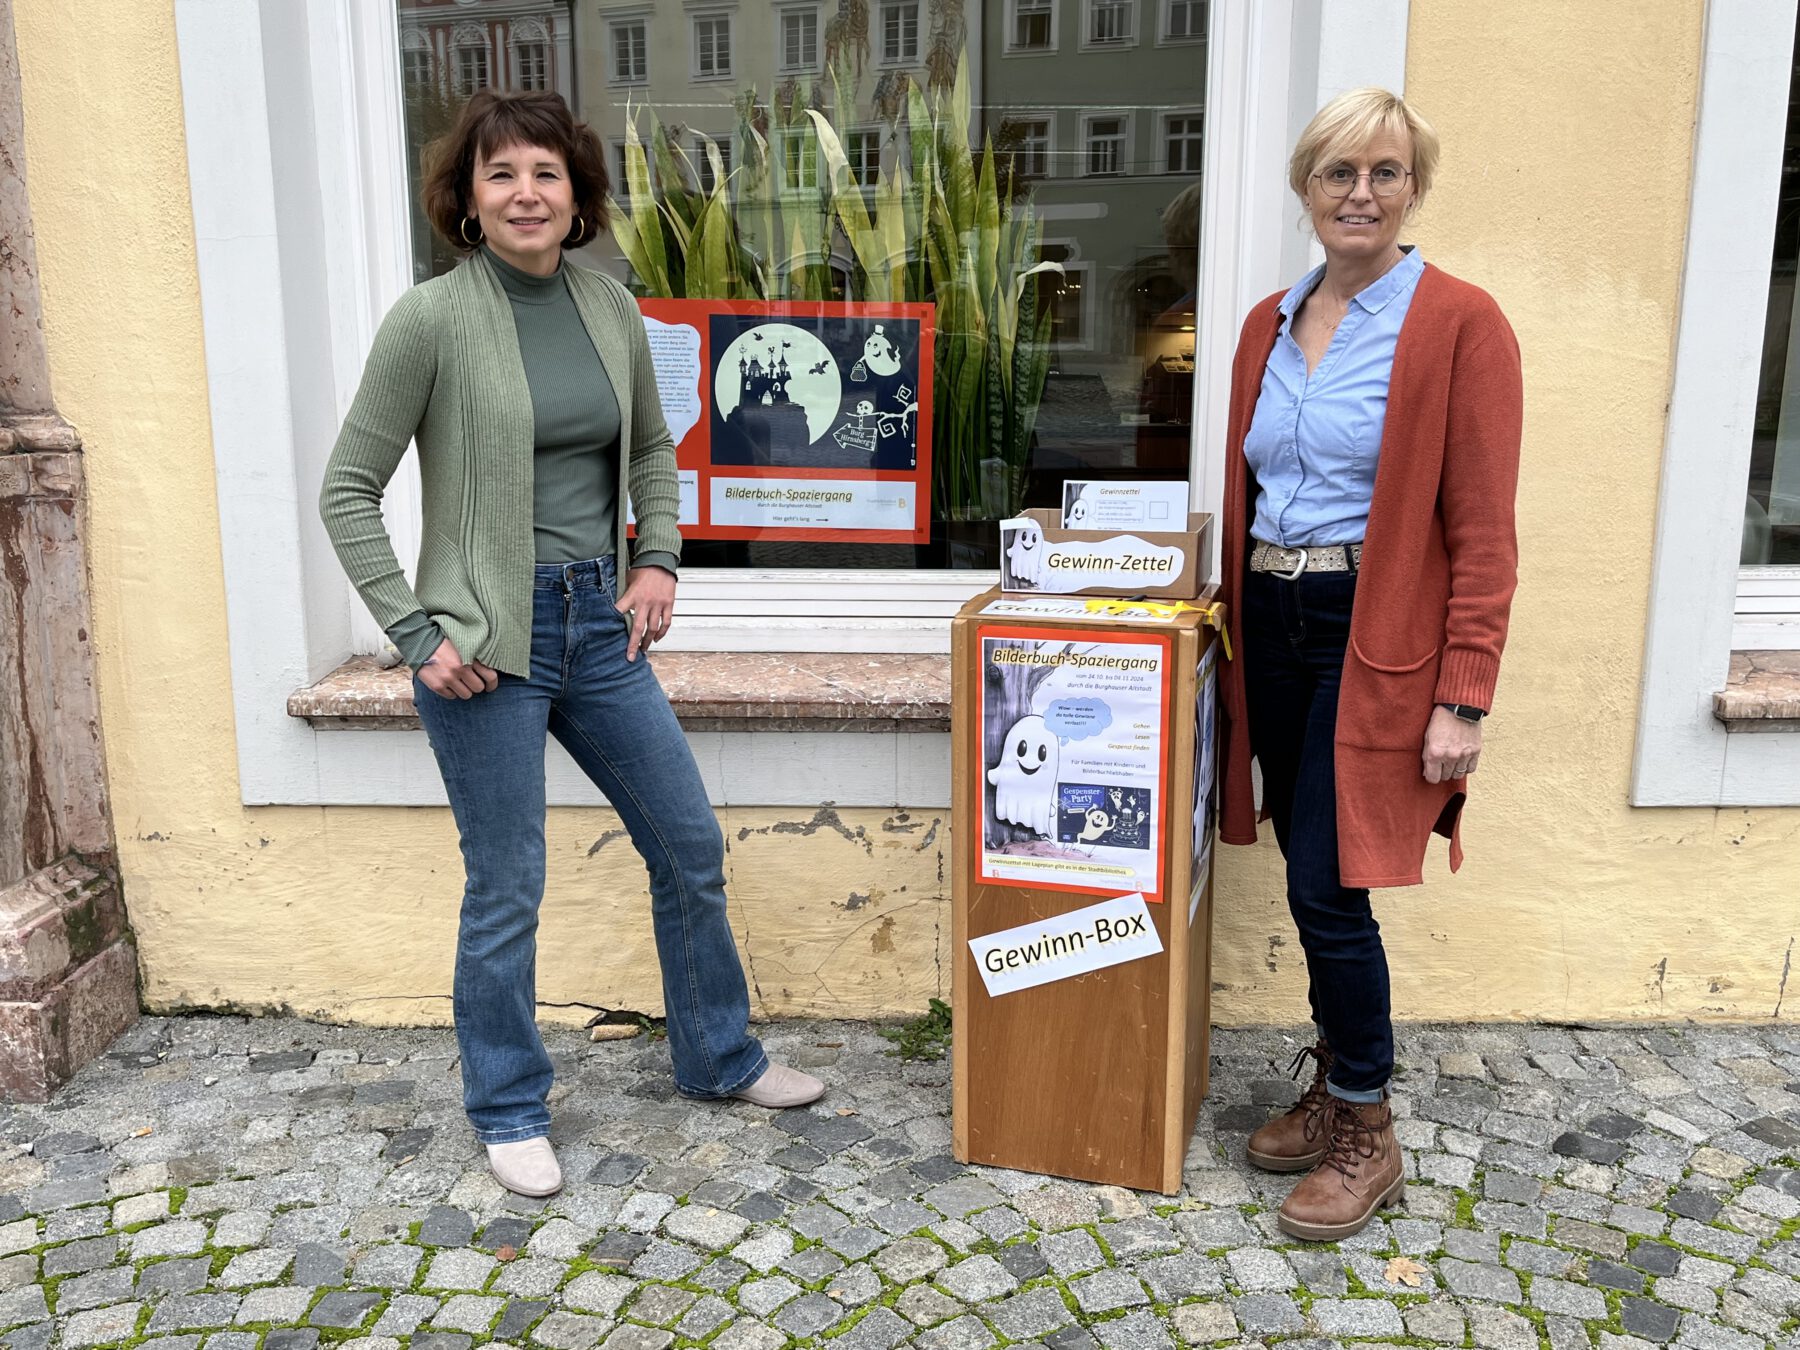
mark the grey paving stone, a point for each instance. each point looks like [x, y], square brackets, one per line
[457, 1268]
[506, 1231]
[98, 1326]
[317, 1264]
[925, 1306]
[177, 1237]
[964, 1333]
[529, 1278]
[854, 1286]
[659, 1304]
[570, 1331]
[745, 1334]
[856, 1242]
[598, 1292]
[387, 1266]
[812, 1265]
[1465, 1245]
[90, 1291]
[1567, 1299]
[1107, 1291]
[1267, 1314]
[1361, 1317]
[762, 1297]
[178, 1275]
[1134, 1331]
[914, 1259]
[343, 1308]
[809, 1315]
[1435, 1321]
[440, 1340]
[977, 1279]
[1072, 1252]
[719, 1273]
[1466, 1279]
[259, 1265]
[957, 1199]
[618, 1249]
[518, 1318]
[445, 1226]
[1258, 1270]
[76, 1258]
[403, 1314]
[1178, 1277]
[469, 1313]
[713, 1229]
[881, 1329]
[276, 1304]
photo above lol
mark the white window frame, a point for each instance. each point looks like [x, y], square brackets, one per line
[782, 14]
[879, 34]
[465, 41]
[1125, 44]
[851, 136]
[614, 22]
[301, 224]
[540, 48]
[1127, 142]
[1009, 46]
[1080, 272]
[1048, 118]
[1165, 11]
[1685, 756]
[711, 16]
[1164, 121]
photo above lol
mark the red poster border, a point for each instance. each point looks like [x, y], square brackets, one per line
[694, 451]
[978, 798]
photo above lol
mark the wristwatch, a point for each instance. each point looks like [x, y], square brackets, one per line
[1468, 712]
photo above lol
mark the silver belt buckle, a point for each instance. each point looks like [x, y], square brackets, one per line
[1299, 567]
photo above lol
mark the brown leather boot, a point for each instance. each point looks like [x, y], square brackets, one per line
[1296, 1141]
[1361, 1172]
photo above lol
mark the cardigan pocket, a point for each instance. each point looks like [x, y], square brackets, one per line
[1385, 706]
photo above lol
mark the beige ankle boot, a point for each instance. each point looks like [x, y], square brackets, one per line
[526, 1167]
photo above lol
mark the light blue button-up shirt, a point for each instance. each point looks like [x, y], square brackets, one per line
[1314, 442]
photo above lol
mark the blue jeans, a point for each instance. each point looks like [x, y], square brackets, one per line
[1295, 637]
[612, 716]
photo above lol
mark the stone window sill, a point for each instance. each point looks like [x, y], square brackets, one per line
[1762, 692]
[710, 691]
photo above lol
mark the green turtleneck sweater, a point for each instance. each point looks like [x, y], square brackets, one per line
[575, 433]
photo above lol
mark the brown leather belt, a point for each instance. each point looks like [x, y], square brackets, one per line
[1291, 563]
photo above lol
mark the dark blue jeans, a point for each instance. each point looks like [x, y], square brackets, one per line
[1295, 637]
[612, 716]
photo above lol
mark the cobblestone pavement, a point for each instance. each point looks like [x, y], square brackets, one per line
[225, 1183]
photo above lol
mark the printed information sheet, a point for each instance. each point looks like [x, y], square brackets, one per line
[1074, 769]
[1094, 504]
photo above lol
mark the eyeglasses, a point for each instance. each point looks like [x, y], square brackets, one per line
[1385, 180]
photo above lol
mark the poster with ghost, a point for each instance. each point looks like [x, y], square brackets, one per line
[1073, 767]
[796, 419]
[1206, 772]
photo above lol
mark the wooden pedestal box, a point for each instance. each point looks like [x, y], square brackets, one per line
[1084, 772]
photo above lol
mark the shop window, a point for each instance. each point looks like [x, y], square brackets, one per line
[1072, 357]
[1105, 144]
[899, 27]
[1183, 142]
[799, 41]
[1184, 20]
[630, 51]
[1033, 26]
[712, 47]
[1109, 23]
[1769, 587]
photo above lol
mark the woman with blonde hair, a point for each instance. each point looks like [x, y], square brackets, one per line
[1368, 563]
[526, 382]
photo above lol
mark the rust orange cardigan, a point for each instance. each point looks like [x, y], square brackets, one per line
[1436, 582]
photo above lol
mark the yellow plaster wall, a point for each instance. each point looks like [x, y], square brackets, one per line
[1572, 905]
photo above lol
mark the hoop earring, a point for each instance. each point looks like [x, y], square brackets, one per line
[575, 242]
[463, 230]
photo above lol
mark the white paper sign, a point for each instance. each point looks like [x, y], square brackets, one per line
[1123, 561]
[815, 503]
[1065, 945]
[1094, 504]
[675, 356]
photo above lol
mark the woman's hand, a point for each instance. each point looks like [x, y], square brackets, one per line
[1452, 746]
[649, 601]
[447, 676]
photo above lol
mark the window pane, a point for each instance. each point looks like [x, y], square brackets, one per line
[1187, 19]
[1772, 505]
[1098, 382]
[533, 66]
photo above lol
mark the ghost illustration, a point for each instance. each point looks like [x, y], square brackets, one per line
[1025, 778]
[879, 353]
[1098, 823]
[1078, 515]
[1025, 555]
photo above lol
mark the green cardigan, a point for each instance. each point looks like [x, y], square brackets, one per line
[445, 371]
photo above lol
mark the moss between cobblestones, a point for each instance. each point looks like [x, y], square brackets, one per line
[177, 1197]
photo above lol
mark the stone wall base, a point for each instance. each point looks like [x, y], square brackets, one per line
[68, 976]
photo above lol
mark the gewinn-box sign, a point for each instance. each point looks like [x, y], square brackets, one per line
[1065, 945]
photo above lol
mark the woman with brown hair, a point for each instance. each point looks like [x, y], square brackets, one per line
[526, 382]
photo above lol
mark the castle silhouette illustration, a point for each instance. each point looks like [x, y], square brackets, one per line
[765, 416]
